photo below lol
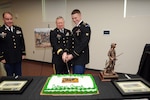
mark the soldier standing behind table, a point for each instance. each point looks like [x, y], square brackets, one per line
[60, 41]
[79, 54]
[12, 49]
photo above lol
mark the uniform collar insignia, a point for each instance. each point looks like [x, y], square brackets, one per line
[67, 34]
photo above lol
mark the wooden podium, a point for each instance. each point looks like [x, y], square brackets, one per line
[107, 76]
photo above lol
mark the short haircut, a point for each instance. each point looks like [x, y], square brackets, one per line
[59, 17]
[7, 13]
[76, 11]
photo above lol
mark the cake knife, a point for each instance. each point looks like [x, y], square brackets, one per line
[67, 67]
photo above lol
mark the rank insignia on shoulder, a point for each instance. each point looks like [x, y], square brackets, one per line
[87, 25]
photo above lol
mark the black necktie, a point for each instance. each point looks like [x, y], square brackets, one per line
[10, 29]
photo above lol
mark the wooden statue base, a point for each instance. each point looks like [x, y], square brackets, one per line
[107, 77]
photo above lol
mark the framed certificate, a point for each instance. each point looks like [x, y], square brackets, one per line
[132, 86]
[14, 85]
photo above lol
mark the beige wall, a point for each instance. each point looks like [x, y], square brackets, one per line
[29, 13]
[130, 33]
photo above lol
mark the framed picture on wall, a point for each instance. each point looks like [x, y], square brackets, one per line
[132, 86]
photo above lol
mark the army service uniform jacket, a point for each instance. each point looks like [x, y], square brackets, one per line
[12, 45]
[61, 42]
[80, 44]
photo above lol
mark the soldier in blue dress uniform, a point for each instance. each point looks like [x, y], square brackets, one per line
[12, 46]
[79, 54]
[60, 39]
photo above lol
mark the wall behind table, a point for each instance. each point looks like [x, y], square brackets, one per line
[130, 33]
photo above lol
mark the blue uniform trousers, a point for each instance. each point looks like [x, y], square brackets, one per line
[13, 69]
[78, 69]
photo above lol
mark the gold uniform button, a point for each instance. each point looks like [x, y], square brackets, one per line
[13, 36]
[14, 46]
[14, 40]
[72, 46]
[14, 43]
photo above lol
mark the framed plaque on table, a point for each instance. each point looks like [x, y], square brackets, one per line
[9, 85]
[132, 86]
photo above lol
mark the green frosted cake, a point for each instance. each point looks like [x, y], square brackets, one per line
[70, 84]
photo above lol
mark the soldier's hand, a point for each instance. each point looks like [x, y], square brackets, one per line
[64, 56]
[23, 56]
[3, 61]
[70, 56]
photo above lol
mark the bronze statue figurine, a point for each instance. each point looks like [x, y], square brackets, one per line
[109, 66]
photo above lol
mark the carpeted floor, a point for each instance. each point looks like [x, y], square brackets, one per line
[34, 68]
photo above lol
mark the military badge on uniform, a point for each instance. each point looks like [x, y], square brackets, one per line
[18, 32]
[3, 34]
[58, 36]
[78, 32]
